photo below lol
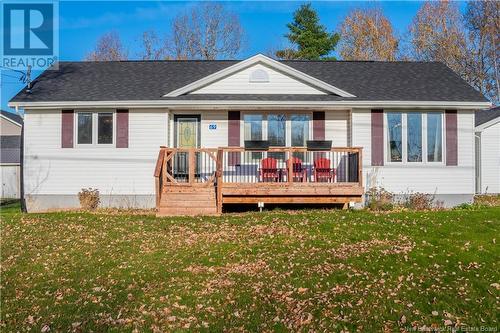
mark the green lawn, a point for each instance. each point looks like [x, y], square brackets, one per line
[275, 271]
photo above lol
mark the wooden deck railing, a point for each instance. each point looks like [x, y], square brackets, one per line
[274, 166]
[291, 165]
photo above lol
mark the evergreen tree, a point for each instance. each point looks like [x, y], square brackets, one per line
[310, 39]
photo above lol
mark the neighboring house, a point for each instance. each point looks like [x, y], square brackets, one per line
[488, 151]
[10, 154]
[405, 126]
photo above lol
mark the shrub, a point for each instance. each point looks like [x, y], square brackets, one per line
[466, 206]
[487, 199]
[380, 199]
[421, 201]
[89, 198]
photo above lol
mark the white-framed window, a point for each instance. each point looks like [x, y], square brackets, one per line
[280, 129]
[413, 137]
[434, 137]
[95, 128]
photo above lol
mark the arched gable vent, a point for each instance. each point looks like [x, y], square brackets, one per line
[259, 75]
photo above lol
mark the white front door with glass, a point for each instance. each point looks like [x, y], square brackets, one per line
[187, 135]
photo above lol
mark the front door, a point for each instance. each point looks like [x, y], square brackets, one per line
[186, 135]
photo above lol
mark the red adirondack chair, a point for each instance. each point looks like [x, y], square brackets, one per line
[299, 173]
[322, 171]
[269, 170]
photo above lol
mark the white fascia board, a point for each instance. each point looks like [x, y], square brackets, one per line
[207, 104]
[259, 58]
[12, 121]
[487, 124]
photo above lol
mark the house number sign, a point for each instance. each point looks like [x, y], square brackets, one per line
[212, 126]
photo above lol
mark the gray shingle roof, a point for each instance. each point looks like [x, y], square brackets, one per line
[150, 80]
[483, 116]
[12, 116]
[10, 148]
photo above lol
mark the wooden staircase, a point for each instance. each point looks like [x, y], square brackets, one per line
[188, 200]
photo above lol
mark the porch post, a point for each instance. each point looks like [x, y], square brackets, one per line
[191, 165]
[218, 188]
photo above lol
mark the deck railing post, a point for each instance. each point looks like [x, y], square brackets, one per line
[219, 176]
[159, 175]
[191, 165]
[290, 165]
[164, 168]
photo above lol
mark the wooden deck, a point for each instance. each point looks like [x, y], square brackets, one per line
[201, 181]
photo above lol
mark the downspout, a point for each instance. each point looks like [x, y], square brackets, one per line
[21, 168]
[477, 146]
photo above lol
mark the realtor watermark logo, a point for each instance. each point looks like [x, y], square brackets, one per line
[30, 34]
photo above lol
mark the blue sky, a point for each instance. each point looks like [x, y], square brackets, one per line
[81, 24]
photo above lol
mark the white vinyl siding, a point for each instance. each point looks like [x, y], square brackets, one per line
[490, 159]
[240, 83]
[50, 169]
[337, 127]
[417, 177]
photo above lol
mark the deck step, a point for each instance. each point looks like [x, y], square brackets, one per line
[186, 200]
[190, 204]
[189, 189]
[189, 196]
[186, 211]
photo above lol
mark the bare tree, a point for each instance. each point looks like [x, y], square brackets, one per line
[208, 31]
[366, 34]
[482, 20]
[437, 34]
[108, 48]
[152, 46]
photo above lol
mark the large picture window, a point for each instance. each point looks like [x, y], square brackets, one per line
[280, 129]
[413, 137]
[94, 128]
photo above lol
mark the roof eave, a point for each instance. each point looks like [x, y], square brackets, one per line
[483, 126]
[11, 120]
[249, 103]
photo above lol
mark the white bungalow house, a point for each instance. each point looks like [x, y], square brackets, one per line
[488, 151]
[192, 136]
